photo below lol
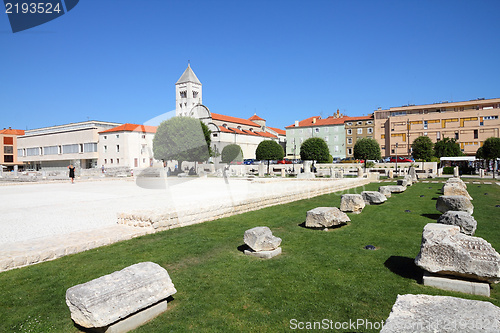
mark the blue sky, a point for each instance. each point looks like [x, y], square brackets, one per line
[118, 60]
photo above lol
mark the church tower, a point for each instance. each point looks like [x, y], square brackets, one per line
[187, 92]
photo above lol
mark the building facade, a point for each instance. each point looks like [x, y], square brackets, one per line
[330, 129]
[357, 128]
[8, 148]
[469, 122]
[56, 147]
[127, 145]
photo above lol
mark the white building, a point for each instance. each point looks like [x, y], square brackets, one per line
[127, 145]
[247, 133]
[56, 147]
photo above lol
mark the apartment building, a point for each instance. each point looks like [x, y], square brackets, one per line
[469, 122]
[8, 148]
[357, 128]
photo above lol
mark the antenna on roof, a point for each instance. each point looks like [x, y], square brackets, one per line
[189, 63]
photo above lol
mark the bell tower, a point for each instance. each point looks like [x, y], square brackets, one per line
[187, 92]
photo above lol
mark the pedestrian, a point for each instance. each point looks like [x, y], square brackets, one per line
[72, 173]
[102, 168]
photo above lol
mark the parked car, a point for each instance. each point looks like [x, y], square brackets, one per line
[336, 160]
[351, 160]
[248, 161]
[400, 159]
[284, 161]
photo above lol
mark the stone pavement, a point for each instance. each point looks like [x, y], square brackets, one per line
[42, 222]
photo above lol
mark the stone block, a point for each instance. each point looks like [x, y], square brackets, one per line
[261, 239]
[455, 189]
[373, 197]
[264, 254]
[453, 284]
[464, 220]
[443, 314]
[403, 182]
[454, 202]
[110, 298]
[385, 190]
[325, 217]
[396, 188]
[456, 180]
[352, 203]
[446, 251]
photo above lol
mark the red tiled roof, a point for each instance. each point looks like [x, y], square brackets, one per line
[277, 130]
[256, 117]
[237, 130]
[328, 121]
[131, 128]
[370, 117]
[221, 117]
[223, 129]
[10, 131]
[249, 132]
[266, 134]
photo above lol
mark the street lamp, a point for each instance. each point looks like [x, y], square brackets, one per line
[396, 158]
[293, 160]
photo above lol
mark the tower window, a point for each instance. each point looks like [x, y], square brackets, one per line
[183, 94]
[195, 93]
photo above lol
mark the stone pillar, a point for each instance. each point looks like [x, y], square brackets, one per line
[1, 171]
[341, 173]
[15, 170]
[332, 173]
[262, 169]
[360, 172]
[391, 173]
[455, 172]
[307, 166]
[283, 174]
[481, 173]
[440, 172]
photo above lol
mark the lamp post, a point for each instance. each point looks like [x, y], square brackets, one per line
[396, 158]
[293, 161]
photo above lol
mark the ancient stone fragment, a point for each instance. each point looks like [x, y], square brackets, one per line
[373, 197]
[454, 202]
[325, 217]
[261, 239]
[352, 203]
[455, 189]
[396, 188]
[464, 220]
[385, 190]
[105, 300]
[444, 314]
[456, 180]
[446, 251]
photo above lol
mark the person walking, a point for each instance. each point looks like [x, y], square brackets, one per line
[72, 173]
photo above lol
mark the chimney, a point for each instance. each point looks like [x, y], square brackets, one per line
[296, 123]
[314, 120]
[10, 127]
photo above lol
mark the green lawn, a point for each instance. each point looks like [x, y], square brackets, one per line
[320, 275]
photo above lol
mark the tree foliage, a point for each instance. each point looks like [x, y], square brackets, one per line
[269, 150]
[491, 148]
[479, 153]
[422, 148]
[367, 149]
[232, 153]
[447, 147]
[182, 139]
[315, 149]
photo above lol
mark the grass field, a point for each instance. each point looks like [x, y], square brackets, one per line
[319, 276]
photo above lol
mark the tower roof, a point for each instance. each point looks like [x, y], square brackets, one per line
[188, 76]
[255, 117]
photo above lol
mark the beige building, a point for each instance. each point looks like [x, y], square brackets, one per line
[469, 122]
[357, 128]
[8, 148]
[56, 147]
[127, 145]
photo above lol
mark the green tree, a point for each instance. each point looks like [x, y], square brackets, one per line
[491, 151]
[447, 147]
[182, 139]
[269, 150]
[232, 153]
[479, 153]
[367, 149]
[422, 148]
[314, 149]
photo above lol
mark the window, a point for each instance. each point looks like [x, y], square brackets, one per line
[425, 124]
[105, 149]
[370, 130]
[20, 153]
[349, 124]
[105, 137]
[70, 149]
[359, 123]
[215, 135]
[336, 148]
[90, 147]
[32, 152]
[50, 150]
[349, 131]
[456, 135]
[117, 161]
[183, 94]
[8, 158]
[476, 134]
[349, 151]
[369, 122]
[326, 139]
[118, 136]
[80, 148]
[105, 161]
[316, 130]
[111, 161]
[360, 131]
[117, 148]
[8, 140]
[8, 150]
[144, 136]
[490, 117]
[195, 93]
[349, 140]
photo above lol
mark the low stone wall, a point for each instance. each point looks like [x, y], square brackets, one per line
[164, 220]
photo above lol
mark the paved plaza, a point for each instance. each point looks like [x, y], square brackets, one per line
[43, 221]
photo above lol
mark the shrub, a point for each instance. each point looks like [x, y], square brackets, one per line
[232, 153]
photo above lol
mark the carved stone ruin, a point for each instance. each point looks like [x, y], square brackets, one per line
[137, 293]
[262, 243]
[454, 202]
[455, 189]
[373, 197]
[385, 190]
[464, 220]
[446, 251]
[352, 203]
[326, 217]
